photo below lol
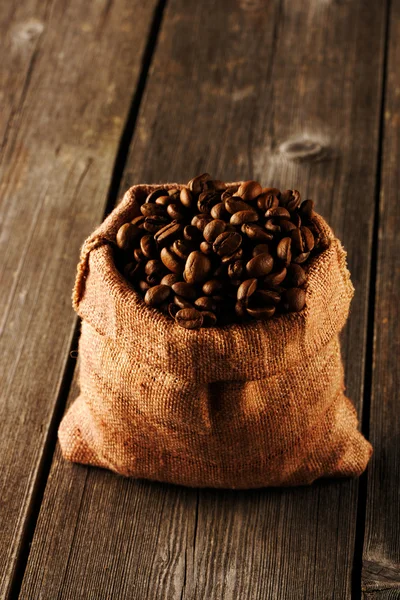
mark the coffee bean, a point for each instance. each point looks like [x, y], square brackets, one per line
[244, 216]
[297, 240]
[260, 249]
[171, 261]
[197, 184]
[130, 270]
[192, 234]
[219, 211]
[186, 197]
[153, 224]
[266, 297]
[138, 255]
[197, 267]
[170, 279]
[296, 276]
[201, 221]
[287, 226]
[262, 313]
[189, 318]
[213, 229]
[181, 249]
[184, 289]
[152, 197]
[274, 279]
[167, 234]
[277, 213]
[284, 250]
[290, 199]
[307, 209]
[138, 221]
[155, 267]
[260, 265]
[266, 201]
[235, 204]
[148, 246]
[143, 286]
[157, 294]
[230, 258]
[152, 209]
[256, 233]
[164, 201]
[246, 289]
[206, 247]
[175, 212]
[273, 226]
[248, 190]
[236, 270]
[173, 309]
[301, 258]
[294, 299]
[205, 303]
[216, 184]
[126, 236]
[209, 318]
[182, 302]
[207, 200]
[213, 286]
[227, 243]
[308, 239]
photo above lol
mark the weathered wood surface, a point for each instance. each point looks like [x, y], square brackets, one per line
[381, 560]
[63, 109]
[289, 93]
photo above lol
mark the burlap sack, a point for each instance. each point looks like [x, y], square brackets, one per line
[243, 406]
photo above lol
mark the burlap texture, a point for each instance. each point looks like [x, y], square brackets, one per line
[241, 406]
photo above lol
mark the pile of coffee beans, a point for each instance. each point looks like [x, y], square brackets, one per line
[210, 254]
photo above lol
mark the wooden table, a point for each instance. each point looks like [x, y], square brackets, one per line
[96, 96]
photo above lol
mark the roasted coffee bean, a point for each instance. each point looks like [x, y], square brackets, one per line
[248, 190]
[207, 200]
[186, 197]
[206, 247]
[227, 243]
[244, 216]
[212, 286]
[143, 286]
[209, 318]
[148, 246]
[138, 221]
[246, 289]
[213, 229]
[235, 204]
[260, 265]
[284, 250]
[181, 249]
[182, 302]
[153, 224]
[296, 276]
[294, 299]
[175, 212]
[260, 249]
[277, 213]
[184, 289]
[205, 303]
[197, 267]
[167, 234]
[152, 210]
[126, 236]
[219, 211]
[171, 261]
[198, 184]
[274, 279]
[262, 313]
[189, 318]
[229, 253]
[170, 279]
[201, 221]
[192, 234]
[256, 233]
[265, 297]
[157, 193]
[138, 255]
[236, 270]
[266, 201]
[164, 201]
[157, 294]
[307, 209]
[290, 199]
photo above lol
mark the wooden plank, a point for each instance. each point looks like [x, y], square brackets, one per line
[288, 93]
[381, 557]
[65, 105]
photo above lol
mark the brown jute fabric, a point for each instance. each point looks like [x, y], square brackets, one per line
[241, 406]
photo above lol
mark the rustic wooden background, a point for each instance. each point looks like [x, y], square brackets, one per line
[96, 96]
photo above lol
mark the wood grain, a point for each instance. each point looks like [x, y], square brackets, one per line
[288, 93]
[65, 105]
[381, 560]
